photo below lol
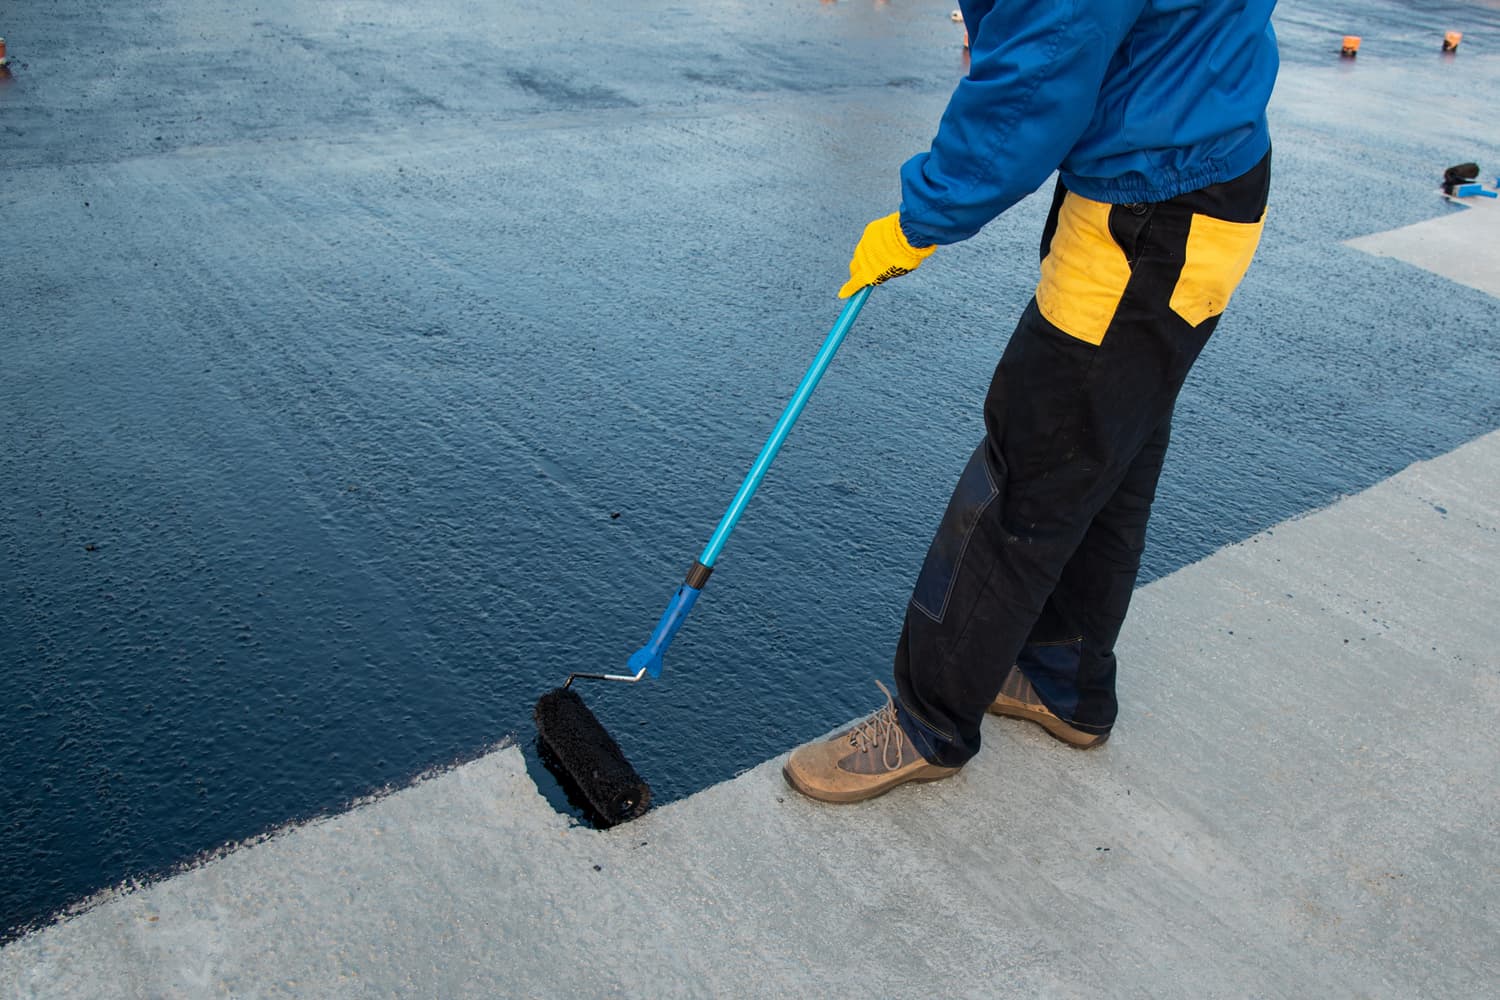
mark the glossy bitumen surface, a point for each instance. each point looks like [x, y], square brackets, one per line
[333, 338]
[1284, 812]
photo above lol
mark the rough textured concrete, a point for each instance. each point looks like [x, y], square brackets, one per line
[1300, 801]
[1463, 246]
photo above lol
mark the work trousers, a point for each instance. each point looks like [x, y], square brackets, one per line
[1035, 559]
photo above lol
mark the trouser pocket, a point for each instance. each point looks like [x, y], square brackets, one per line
[1215, 260]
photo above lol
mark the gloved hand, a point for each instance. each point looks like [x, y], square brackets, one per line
[882, 254]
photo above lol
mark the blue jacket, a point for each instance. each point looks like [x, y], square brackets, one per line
[1131, 100]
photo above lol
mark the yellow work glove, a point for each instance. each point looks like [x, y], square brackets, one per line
[882, 254]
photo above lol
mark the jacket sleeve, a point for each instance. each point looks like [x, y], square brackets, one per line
[1034, 77]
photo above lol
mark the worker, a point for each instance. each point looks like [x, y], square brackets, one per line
[1153, 114]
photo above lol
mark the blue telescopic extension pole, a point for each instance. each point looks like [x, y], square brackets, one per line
[648, 659]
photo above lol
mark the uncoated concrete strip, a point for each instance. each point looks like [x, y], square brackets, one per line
[1463, 246]
[1300, 800]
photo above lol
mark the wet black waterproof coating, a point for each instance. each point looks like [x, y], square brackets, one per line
[584, 750]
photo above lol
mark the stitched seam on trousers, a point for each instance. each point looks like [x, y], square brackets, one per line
[941, 734]
[963, 549]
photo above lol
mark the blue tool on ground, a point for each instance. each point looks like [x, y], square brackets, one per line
[1459, 175]
[571, 738]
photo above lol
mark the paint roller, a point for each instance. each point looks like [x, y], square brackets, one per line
[574, 744]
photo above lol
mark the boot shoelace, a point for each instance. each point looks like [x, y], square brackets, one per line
[881, 731]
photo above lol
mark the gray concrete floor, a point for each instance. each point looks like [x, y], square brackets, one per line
[1300, 801]
[1464, 247]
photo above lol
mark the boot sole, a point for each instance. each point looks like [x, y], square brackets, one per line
[1055, 727]
[931, 773]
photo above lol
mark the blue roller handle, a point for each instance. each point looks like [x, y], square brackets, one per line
[649, 657]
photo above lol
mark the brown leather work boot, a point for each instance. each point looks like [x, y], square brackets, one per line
[1019, 700]
[860, 763]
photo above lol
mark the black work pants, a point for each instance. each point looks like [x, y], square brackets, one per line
[1036, 556]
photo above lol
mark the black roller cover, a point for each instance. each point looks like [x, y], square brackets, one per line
[589, 756]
